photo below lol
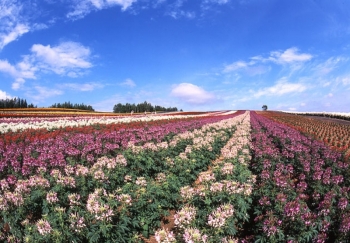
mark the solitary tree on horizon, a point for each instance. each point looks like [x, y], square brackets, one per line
[264, 107]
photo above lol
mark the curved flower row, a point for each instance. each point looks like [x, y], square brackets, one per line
[215, 208]
[301, 193]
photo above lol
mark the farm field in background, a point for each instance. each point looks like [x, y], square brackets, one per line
[335, 133]
[224, 176]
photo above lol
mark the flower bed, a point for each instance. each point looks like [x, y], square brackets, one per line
[230, 178]
[23, 152]
[337, 115]
[336, 135]
[54, 123]
[215, 208]
[118, 196]
[302, 192]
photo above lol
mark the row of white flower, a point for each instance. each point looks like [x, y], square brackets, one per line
[24, 123]
[208, 185]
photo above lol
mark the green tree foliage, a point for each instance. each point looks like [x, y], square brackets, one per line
[141, 107]
[15, 103]
[68, 105]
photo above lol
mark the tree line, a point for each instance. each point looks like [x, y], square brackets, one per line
[68, 105]
[141, 107]
[15, 103]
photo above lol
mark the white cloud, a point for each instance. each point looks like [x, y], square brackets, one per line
[280, 88]
[84, 7]
[192, 94]
[329, 65]
[13, 34]
[254, 66]
[18, 83]
[249, 67]
[6, 67]
[42, 93]
[345, 81]
[340, 80]
[66, 59]
[128, 82]
[290, 55]
[13, 23]
[180, 13]
[83, 87]
[18, 72]
[4, 95]
[235, 66]
[215, 1]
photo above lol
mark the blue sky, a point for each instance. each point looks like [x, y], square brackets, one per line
[195, 54]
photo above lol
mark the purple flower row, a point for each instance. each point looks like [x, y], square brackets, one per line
[301, 193]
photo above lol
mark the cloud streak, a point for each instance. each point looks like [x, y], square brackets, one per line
[282, 87]
[129, 83]
[290, 56]
[84, 87]
[12, 23]
[84, 7]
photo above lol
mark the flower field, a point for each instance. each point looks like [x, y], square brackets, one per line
[212, 177]
[333, 133]
[337, 115]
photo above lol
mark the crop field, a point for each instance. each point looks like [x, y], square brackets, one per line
[216, 177]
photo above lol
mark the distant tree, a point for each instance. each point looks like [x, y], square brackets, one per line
[264, 107]
[140, 108]
[14, 103]
[69, 105]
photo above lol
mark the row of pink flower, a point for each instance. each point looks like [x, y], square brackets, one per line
[185, 217]
[303, 178]
[24, 156]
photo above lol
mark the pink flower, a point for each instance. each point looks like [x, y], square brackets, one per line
[43, 227]
[193, 235]
[51, 197]
[164, 236]
[77, 222]
[218, 218]
[187, 192]
[74, 199]
[125, 199]
[185, 216]
[343, 202]
[141, 181]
